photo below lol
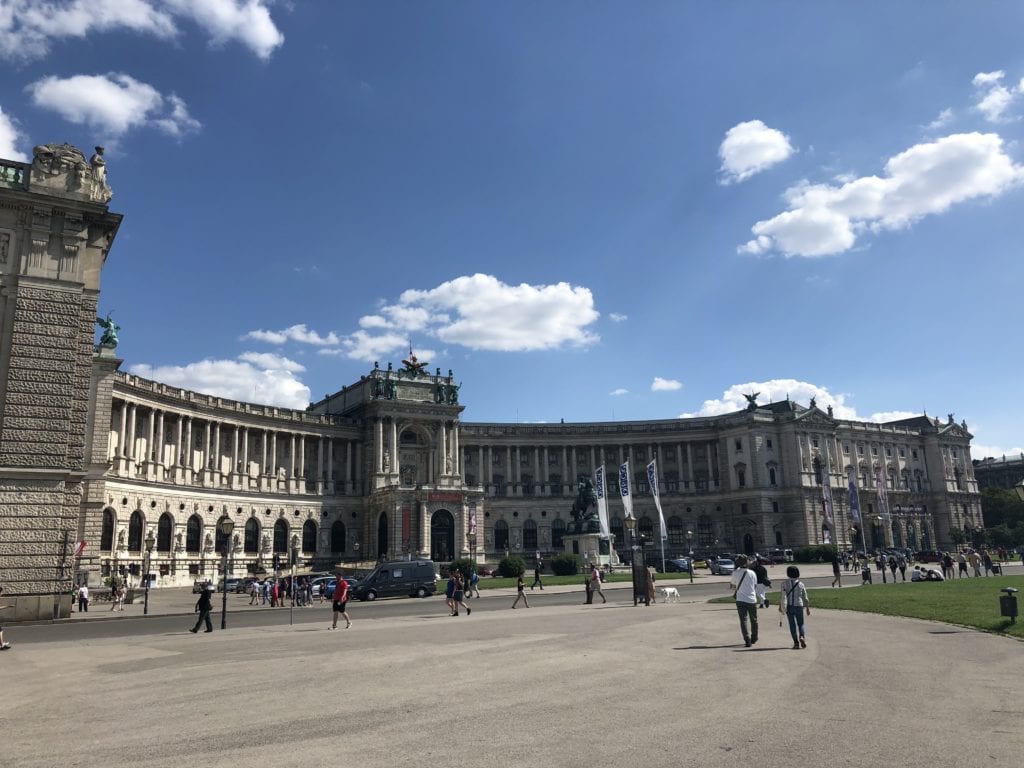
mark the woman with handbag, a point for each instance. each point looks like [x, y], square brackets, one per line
[793, 602]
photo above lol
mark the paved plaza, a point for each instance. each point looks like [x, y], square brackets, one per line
[556, 685]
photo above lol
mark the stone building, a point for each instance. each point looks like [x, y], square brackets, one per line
[1004, 472]
[98, 466]
[55, 233]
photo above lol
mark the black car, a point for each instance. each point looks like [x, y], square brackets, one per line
[678, 565]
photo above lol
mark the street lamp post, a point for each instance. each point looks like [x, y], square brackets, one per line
[226, 525]
[689, 545]
[150, 542]
[631, 525]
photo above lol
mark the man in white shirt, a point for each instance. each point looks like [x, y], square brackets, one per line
[744, 583]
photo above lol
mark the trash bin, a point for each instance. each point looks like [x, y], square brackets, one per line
[997, 569]
[1008, 604]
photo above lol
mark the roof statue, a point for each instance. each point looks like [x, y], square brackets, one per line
[62, 169]
[752, 401]
[413, 367]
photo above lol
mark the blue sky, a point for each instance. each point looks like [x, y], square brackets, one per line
[589, 211]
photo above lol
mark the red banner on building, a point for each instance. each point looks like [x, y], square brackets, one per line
[444, 496]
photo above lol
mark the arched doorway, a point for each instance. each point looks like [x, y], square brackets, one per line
[107, 531]
[194, 534]
[309, 536]
[252, 536]
[442, 536]
[338, 537]
[163, 533]
[897, 535]
[382, 536]
[280, 537]
[748, 543]
[135, 532]
[529, 536]
[500, 536]
[877, 535]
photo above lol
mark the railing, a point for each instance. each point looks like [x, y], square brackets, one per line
[14, 174]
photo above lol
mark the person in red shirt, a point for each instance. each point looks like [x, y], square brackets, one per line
[340, 600]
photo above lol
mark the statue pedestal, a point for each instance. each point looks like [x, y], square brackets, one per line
[588, 547]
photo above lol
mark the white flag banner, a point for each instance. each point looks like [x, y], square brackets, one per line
[854, 498]
[826, 495]
[652, 479]
[602, 502]
[627, 500]
[883, 495]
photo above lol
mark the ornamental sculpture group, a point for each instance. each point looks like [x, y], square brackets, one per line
[583, 519]
[64, 169]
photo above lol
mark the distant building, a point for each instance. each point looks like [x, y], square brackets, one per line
[1004, 472]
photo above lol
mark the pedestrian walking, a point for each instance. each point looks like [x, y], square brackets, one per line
[265, 589]
[837, 579]
[651, 594]
[975, 562]
[595, 583]
[203, 608]
[892, 567]
[743, 590]
[4, 646]
[961, 562]
[458, 598]
[449, 594]
[901, 563]
[794, 603]
[520, 592]
[537, 568]
[83, 598]
[339, 601]
[254, 593]
[986, 560]
[474, 585]
[947, 565]
[763, 583]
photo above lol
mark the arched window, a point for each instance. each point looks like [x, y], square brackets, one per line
[135, 526]
[645, 527]
[338, 543]
[281, 537]
[194, 534]
[164, 529]
[529, 535]
[219, 538]
[252, 536]
[557, 532]
[705, 533]
[107, 532]
[897, 535]
[676, 534]
[771, 476]
[501, 535]
[309, 536]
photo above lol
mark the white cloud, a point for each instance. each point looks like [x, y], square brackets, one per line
[928, 178]
[884, 416]
[246, 381]
[617, 317]
[27, 27]
[944, 118]
[665, 385]
[482, 313]
[751, 147]
[364, 346]
[298, 333]
[270, 361]
[619, 392]
[994, 98]
[774, 391]
[10, 136]
[114, 103]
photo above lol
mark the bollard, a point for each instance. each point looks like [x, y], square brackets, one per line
[1008, 604]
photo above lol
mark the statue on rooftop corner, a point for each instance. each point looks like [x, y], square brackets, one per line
[752, 401]
[110, 328]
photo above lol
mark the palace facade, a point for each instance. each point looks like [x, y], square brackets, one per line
[103, 472]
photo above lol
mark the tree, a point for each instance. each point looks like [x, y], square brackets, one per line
[957, 536]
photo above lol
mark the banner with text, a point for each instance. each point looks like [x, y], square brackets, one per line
[627, 500]
[652, 479]
[602, 502]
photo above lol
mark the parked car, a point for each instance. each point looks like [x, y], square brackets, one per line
[928, 556]
[415, 578]
[483, 570]
[244, 586]
[678, 565]
[723, 566]
[230, 586]
[199, 585]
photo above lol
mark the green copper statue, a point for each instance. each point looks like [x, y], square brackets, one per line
[110, 329]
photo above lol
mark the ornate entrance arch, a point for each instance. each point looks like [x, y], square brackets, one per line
[442, 536]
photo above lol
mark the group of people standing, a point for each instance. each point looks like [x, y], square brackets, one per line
[456, 588]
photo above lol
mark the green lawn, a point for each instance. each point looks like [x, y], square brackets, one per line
[489, 582]
[970, 602]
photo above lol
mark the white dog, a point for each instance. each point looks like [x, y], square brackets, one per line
[669, 594]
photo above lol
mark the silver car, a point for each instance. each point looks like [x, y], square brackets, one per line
[723, 566]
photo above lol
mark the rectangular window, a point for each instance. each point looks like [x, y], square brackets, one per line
[902, 453]
[739, 445]
[769, 443]
[846, 449]
[874, 450]
[860, 450]
[888, 452]
[913, 454]
[814, 442]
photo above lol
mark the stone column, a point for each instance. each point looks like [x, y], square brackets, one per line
[378, 428]
[518, 470]
[122, 435]
[443, 445]
[509, 480]
[131, 433]
[395, 467]
[189, 458]
[330, 465]
[689, 466]
[302, 465]
[456, 450]
[357, 470]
